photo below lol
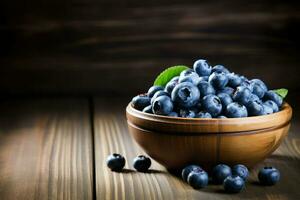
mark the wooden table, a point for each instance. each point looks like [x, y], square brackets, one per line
[55, 148]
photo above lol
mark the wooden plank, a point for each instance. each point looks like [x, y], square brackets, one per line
[45, 149]
[111, 136]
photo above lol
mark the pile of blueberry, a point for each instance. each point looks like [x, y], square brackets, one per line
[233, 180]
[209, 92]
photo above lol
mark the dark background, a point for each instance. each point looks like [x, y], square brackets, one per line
[116, 48]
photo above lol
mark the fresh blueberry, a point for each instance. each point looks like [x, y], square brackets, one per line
[233, 184]
[255, 108]
[253, 97]
[268, 176]
[227, 90]
[241, 95]
[198, 179]
[142, 163]
[189, 75]
[257, 89]
[267, 109]
[140, 102]
[221, 117]
[241, 171]
[176, 78]
[271, 95]
[152, 90]
[203, 114]
[247, 84]
[261, 84]
[173, 114]
[243, 78]
[225, 100]
[162, 105]
[202, 68]
[187, 113]
[115, 162]
[186, 95]
[220, 69]
[170, 86]
[148, 109]
[158, 94]
[205, 88]
[188, 169]
[220, 172]
[203, 78]
[272, 104]
[235, 110]
[212, 104]
[234, 80]
[218, 80]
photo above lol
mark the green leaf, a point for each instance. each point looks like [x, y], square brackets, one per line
[281, 92]
[164, 77]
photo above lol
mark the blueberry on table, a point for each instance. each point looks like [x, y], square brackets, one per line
[225, 100]
[158, 94]
[242, 95]
[140, 102]
[188, 169]
[152, 90]
[148, 109]
[115, 162]
[241, 171]
[198, 179]
[268, 176]
[162, 105]
[212, 104]
[218, 80]
[205, 88]
[220, 172]
[255, 108]
[202, 68]
[188, 76]
[233, 184]
[272, 104]
[203, 114]
[234, 80]
[142, 163]
[220, 69]
[187, 113]
[185, 95]
[236, 110]
[271, 95]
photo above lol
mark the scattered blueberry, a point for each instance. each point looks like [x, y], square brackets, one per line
[142, 163]
[218, 80]
[268, 176]
[212, 104]
[188, 169]
[140, 102]
[233, 184]
[202, 68]
[152, 90]
[162, 105]
[198, 179]
[115, 162]
[236, 110]
[220, 172]
[185, 94]
[241, 171]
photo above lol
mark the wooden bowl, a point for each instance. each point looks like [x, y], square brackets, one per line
[175, 142]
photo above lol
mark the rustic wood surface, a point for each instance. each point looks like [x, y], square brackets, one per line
[45, 150]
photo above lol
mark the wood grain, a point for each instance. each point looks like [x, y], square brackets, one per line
[45, 149]
[111, 135]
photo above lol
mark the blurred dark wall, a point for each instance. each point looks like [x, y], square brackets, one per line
[114, 47]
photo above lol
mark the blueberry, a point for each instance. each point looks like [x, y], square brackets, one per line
[233, 184]
[225, 100]
[173, 114]
[187, 113]
[241, 171]
[186, 95]
[241, 95]
[148, 109]
[247, 84]
[203, 78]
[158, 94]
[271, 95]
[235, 110]
[221, 117]
[203, 114]
[141, 163]
[170, 86]
[253, 97]
[188, 75]
[212, 104]
[220, 69]
[218, 80]
[257, 89]
[267, 109]
[115, 162]
[234, 80]
[255, 108]
[227, 90]
[187, 170]
[162, 105]
[140, 102]
[198, 179]
[260, 83]
[220, 172]
[243, 78]
[272, 104]
[176, 78]
[202, 68]
[268, 176]
[152, 90]
[205, 88]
